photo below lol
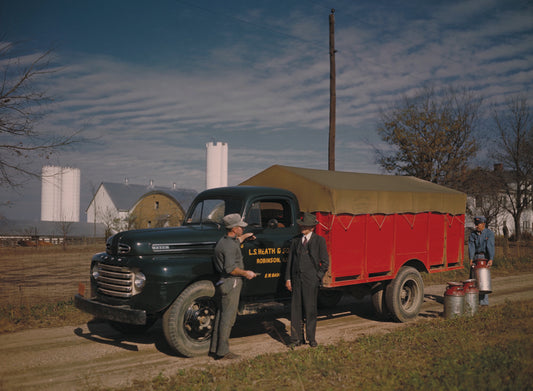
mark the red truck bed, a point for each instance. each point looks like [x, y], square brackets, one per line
[375, 224]
[373, 247]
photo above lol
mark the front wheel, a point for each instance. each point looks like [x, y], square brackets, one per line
[405, 294]
[188, 322]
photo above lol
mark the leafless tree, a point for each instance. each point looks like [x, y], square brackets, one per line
[22, 104]
[64, 228]
[514, 126]
[431, 134]
[485, 187]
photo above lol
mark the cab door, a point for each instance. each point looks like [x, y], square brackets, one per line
[270, 219]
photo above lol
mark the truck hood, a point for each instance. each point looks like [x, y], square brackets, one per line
[164, 240]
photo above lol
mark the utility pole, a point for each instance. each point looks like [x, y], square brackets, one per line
[332, 92]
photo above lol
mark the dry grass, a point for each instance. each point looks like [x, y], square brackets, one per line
[40, 275]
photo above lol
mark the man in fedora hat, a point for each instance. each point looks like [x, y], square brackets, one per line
[308, 262]
[230, 266]
[481, 246]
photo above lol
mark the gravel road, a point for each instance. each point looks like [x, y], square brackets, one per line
[75, 358]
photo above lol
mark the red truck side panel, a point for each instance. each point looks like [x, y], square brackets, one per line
[366, 248]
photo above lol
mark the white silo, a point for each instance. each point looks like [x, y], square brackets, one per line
[217, 165]
[60, 194]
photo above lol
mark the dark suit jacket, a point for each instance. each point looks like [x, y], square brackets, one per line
[317, 251]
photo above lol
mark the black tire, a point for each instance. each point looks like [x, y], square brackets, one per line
[405, 294]
[132, 329]
[328, 298]
[188, 322]
[379, 301]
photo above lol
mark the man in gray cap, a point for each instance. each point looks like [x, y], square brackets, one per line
[481, 246]
[307, 263]
[229, 264]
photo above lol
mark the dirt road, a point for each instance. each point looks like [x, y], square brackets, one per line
[74, 358]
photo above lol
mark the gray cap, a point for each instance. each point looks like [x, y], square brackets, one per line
[479, 219]
[233, 220]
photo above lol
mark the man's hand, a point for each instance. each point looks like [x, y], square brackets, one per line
[288, 285]
[245, 236]
[248, 274]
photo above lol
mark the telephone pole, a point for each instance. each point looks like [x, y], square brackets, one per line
[332, 92]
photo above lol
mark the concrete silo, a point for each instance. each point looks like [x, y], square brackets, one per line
[60, 194]
[217, 165]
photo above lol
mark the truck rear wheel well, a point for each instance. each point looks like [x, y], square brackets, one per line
[417, 264]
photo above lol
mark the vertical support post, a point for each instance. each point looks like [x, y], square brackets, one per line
[332, 92]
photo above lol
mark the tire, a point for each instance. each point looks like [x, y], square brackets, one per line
[405, 294]
[188, 322]
[132, 329]
[328, 298]
[379, 301]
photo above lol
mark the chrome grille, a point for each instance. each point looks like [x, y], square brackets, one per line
[115, 281]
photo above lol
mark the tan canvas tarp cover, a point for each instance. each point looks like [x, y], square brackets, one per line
[348, 192]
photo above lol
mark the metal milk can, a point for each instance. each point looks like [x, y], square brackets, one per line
[471, 297]
[482, 273]
[454, 300]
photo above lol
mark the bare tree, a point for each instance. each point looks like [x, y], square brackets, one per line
[431, 135]
[514, 148]
[485, 188]
[64, 228]
[22, 105]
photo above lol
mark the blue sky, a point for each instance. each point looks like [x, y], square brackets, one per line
[150, 83]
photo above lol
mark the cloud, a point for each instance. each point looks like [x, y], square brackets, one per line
[264, 87]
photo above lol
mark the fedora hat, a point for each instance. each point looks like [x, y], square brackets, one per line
[307, 220]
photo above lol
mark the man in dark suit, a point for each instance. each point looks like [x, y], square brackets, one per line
[308, 262]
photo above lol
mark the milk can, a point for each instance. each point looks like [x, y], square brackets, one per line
[471, 297]
[454, 300]
[482, 272]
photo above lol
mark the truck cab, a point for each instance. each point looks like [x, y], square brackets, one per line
[168, 273]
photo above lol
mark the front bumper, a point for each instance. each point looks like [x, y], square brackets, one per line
[110, 312]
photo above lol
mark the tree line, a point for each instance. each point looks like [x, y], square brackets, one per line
[437, 135]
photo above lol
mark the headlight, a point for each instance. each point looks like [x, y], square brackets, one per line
[94, 271]
[140, 280]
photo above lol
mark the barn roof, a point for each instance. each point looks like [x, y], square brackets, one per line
[125, 195]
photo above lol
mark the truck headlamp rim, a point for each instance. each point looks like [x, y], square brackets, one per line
[95, 272]
[140, 280]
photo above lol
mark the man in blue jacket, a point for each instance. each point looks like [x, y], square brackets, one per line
[481, 246]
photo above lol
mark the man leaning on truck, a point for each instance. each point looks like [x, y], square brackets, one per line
[230, 266]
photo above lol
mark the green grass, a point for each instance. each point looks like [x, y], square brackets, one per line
[491, 351]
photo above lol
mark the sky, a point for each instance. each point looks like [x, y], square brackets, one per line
[148, 84]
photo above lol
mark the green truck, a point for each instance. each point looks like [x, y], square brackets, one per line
[381, 232]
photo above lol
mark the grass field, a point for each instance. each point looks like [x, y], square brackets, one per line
[491, 351]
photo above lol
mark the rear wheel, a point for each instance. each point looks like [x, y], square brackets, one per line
[188, 322]
[405, 294]
[378, 301]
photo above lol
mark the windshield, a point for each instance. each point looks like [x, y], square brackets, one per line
[213, 210]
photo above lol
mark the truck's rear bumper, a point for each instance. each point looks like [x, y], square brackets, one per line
[110, 312]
